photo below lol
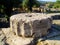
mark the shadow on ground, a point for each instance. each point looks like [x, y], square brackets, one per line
[56, 17]
[4, 24]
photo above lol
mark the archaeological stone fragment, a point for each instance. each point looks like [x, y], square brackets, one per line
[30, 24]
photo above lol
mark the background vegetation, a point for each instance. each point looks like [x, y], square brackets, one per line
[6, 6]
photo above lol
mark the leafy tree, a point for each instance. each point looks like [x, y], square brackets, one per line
[29, 4]
[8, 5]
[37, 4]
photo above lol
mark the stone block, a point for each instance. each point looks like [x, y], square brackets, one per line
[30, 24]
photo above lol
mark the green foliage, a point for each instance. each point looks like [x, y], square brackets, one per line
[37, 4]
[50, 4]
[25, 3]
[16, 2]
[6, 6]
[58, 1]
[57, 4]
[2, 9]
[29, 4]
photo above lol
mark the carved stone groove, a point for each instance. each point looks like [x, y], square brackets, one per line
[30, 24]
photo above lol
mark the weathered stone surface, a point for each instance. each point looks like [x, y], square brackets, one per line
[30, 24]
[49, 42]
[15, 40]
[12, 39]
[2, 38]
